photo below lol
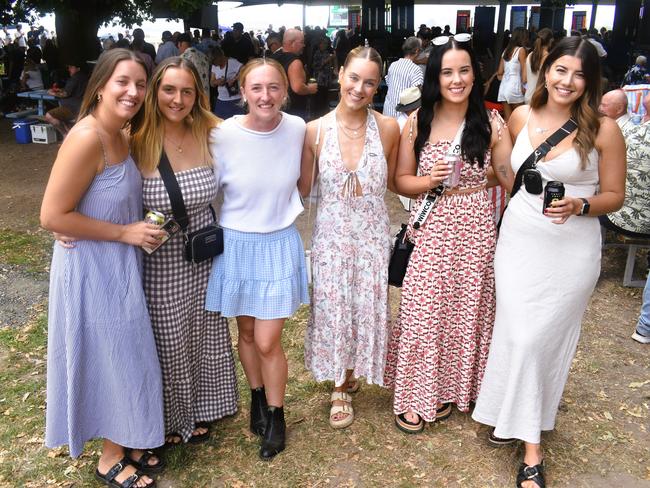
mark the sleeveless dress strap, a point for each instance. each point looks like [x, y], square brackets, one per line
[530, 111]
[101, 142]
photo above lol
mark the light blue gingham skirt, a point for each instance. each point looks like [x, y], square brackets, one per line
[261, 275]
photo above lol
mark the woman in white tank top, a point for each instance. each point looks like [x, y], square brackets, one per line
[511, 72]
[534, 60]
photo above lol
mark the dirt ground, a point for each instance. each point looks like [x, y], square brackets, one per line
[601, 438]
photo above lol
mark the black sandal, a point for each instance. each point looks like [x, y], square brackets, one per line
[142, 464]
[200, 438]
[407, 426]
[109, 478]
[532, 473]
[500, 441]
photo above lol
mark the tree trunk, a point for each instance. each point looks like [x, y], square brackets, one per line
[76, 32]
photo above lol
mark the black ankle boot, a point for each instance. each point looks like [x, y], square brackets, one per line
[273, 442]
[259, 410]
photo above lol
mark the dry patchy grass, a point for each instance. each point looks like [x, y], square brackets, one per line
[601, 439]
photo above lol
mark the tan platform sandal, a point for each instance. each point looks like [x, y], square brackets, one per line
[346, 408]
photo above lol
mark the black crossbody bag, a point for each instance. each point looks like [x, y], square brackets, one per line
[399, 258]
[202, 244]
[528, 174]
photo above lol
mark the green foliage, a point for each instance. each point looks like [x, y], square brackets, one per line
[127, 12]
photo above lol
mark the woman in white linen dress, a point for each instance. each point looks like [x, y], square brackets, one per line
[545, 272]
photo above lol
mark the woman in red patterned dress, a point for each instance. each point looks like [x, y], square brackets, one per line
[439, 345]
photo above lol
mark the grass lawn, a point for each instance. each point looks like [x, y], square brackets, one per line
[601, 437]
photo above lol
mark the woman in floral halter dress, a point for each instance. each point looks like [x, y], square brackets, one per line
[356, 150]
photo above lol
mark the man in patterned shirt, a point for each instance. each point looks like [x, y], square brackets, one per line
[633, 219]
[197, 58]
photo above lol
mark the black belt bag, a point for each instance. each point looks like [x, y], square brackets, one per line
[201, 244]
[204, 243]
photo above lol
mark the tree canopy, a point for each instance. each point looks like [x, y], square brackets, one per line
[128, 12]
[77, 21]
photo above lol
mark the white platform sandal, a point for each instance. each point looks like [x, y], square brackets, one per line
[346, 408]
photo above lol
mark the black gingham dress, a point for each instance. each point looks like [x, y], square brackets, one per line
[194, 347]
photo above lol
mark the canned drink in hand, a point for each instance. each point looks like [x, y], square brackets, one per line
[553, 192]
[455, 163]
[153, 217]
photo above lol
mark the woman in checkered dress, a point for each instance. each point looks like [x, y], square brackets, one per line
[194, 348]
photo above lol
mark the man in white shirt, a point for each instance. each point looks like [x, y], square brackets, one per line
[224, 75]
[6, 37]
[403, 74]
[614, 105]
[20, 37]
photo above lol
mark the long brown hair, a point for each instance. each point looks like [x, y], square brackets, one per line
[101, 74]
[543, 44]
[519, 39]
[148, 140]
[584, 110]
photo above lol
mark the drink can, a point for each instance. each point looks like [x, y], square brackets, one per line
[455, 163]
[553, 191]
[153, 217]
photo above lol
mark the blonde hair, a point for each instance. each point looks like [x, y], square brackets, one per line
[148, 140]
[259, 62]
[101, 74]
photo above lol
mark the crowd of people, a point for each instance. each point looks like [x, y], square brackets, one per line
[489, 318]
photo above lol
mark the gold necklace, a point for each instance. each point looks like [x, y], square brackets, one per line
[179, 147]
[355, 132]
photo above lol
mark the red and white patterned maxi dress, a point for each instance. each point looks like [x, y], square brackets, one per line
[439, 345]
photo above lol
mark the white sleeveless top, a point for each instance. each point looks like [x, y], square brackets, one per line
[510, 89]
[258, 174]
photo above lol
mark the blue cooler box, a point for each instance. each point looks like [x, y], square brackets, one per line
[23, 130]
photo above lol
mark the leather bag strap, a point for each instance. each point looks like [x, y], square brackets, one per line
[174, 191]
[542, 150]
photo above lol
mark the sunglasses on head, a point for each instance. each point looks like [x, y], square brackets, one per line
[442, 40]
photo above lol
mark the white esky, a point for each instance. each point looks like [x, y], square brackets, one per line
[260, 16]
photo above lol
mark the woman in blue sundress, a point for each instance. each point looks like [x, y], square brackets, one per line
[103, 376]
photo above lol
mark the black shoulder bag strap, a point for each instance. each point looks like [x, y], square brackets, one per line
[542, 150]
[175, 195]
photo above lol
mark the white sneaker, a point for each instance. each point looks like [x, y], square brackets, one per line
[640, 338]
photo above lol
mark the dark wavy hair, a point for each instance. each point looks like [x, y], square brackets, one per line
[477, 134]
